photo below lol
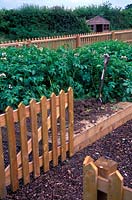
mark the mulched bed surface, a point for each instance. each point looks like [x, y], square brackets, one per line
[65, 180]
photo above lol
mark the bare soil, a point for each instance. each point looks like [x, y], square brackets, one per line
[65, 180]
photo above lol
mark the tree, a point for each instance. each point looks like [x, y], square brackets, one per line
[129, 6]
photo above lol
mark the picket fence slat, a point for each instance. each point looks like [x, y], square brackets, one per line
[2, 170]
[71, 121]
[62, 125]
[23, 141]
[45, 134]
[54, 129]
[127, 193]
[115, 186]
[35, 146]
[12, 148]
[90, 173]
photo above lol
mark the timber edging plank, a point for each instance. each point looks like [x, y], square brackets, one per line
[94, 133]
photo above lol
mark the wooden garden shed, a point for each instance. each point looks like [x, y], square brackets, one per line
[99, 24]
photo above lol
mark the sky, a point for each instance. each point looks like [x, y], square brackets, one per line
[10, 4]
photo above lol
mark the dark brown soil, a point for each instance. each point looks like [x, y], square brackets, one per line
[65, 180]
[90, 111]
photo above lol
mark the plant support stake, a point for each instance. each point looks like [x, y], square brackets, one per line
[106, 61]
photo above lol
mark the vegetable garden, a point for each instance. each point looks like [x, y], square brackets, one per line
[32, 72]
[27, 73]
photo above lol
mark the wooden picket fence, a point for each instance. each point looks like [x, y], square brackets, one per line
[29, 159]
[50, 137]
[73, 41]
[102, 181]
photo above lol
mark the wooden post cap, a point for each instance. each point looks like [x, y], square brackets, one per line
[105, 167]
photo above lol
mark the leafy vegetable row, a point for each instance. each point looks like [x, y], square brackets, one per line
[27, 73]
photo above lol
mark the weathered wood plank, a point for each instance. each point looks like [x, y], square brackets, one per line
[90, 174]
[54, 129]
[12, 148]
[2, 170]
[45, 134]
[62, 125]
[115, 186]
[35, 147]
[102, 184]
[127, 193]
[24, 144]
[71, 121]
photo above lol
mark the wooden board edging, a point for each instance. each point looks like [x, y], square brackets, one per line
[96, 132]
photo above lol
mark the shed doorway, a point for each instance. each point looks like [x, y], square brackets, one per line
[99, 28]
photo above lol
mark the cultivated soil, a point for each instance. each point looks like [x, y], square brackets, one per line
[65, 180]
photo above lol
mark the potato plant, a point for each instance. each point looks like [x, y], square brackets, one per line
[27, 73]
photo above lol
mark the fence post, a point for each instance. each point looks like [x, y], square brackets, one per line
[28, 43]
[90, 175]
[113, 35]
[78, 41]
[106, 168]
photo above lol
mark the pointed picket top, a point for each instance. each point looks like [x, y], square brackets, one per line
[70, 89]
[61, 92]
[115, 190]
[90, 173]
[21, 105]
[53, 95]
[33, 105]
[9, 108]
[43, 98]
[32, 101]
[87, 160]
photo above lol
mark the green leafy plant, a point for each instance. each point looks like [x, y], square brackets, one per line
[27, 73]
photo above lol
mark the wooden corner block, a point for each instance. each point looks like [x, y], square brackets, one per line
[105, 167]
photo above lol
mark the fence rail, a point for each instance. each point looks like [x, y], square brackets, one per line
[102, 181]
[50, 136]
[73, 41]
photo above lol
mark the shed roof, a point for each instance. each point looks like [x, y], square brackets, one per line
[97, 20]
